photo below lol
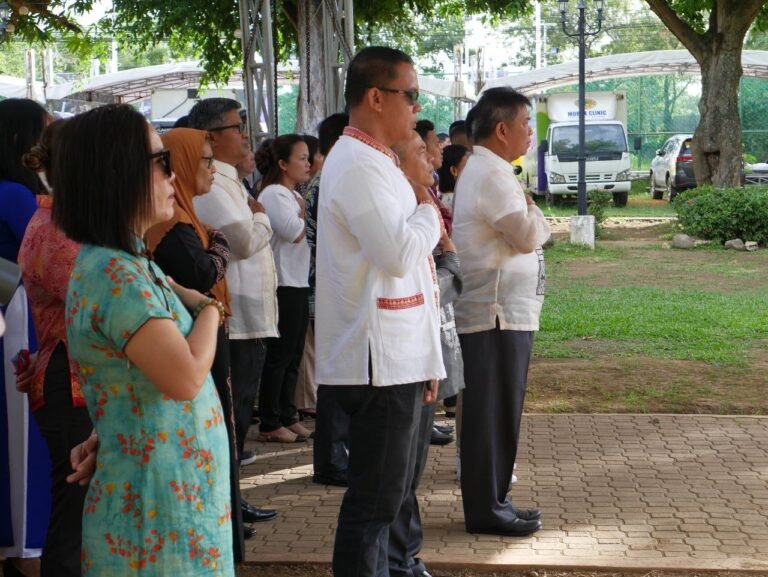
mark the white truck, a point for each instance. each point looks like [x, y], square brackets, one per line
[607, 152]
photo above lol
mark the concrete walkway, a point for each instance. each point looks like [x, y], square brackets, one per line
[615, 491]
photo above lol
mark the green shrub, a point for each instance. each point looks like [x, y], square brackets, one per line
[598, 202]
[724, 213]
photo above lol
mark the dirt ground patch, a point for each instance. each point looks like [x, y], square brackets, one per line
[610, 384]
[607, 379]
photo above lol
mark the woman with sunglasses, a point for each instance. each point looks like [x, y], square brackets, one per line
[196, 257]
[160, 501]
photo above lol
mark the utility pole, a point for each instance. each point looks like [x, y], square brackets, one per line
[537, 24]
[581, 37]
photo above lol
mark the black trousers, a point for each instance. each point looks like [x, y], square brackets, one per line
[496, 373]
[330, 450]
[63, 426]
[220, 371]
[382, 453]
[406, 534]
[246, 363]
[277, 406]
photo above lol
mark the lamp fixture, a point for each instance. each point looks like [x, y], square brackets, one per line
[23, 10]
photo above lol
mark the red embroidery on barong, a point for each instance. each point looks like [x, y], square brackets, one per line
[401, 303]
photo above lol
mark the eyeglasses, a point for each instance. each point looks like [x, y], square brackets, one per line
[209, 161]
[163, 160]
[241, 127]
[411, 95]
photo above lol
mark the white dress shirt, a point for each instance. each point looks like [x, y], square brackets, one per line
[291, 258]
[376, 299]
[499, 237]
[251, 275]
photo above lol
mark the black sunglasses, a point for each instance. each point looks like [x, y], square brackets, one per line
[164, 160]
[241, 127]
[411, 95]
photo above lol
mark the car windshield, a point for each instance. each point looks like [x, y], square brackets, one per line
[598, 138]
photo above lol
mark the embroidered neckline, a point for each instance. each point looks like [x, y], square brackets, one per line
[369, 140]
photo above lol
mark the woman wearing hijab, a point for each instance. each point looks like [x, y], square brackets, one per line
[197, 258]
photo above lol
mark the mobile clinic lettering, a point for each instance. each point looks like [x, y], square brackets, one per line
[563, 107]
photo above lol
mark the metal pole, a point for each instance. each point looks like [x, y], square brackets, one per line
[582, 184]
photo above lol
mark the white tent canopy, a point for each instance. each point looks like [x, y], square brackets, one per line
[13, 87]
[754, 63]
[138, 83]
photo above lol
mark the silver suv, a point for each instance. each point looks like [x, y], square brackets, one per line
[672, 167]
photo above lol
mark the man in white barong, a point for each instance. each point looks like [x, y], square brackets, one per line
[498, 231]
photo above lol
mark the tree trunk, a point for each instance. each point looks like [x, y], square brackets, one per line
[717, 139]
[312, 81]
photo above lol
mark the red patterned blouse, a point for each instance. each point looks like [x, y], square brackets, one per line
[47, 258]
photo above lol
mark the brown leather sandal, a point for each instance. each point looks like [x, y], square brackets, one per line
[281, 435]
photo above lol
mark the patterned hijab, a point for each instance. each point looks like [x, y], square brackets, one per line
[186, 146]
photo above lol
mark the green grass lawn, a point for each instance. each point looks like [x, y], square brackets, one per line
[639, 205]
[633, 311]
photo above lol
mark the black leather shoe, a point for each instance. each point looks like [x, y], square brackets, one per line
[528, 514]
[516, 528]
[447, 429]
[439, 438]
[248, 532]
[323, 480]
[253, 514]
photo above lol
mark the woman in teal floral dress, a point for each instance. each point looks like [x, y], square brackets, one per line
[159, 502]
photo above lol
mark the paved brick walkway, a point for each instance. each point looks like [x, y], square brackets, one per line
[618, 491]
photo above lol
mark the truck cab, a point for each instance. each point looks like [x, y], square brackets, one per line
[607, 165]
[605, 144]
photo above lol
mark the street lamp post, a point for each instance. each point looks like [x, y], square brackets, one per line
[581, 34]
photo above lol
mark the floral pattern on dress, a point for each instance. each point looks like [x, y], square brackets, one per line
[159, 502]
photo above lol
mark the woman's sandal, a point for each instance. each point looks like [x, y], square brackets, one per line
[281, 435]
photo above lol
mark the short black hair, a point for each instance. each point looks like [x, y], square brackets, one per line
[495, 105]
[424, 127]
[442, 137]
[182, 122]
[371, 67]
[21, 124]
[270, 153]
[468, 124]
[313, 145]
[452, 155]
[102, 177]
[330, 130]
[457, 127]
[209, 113]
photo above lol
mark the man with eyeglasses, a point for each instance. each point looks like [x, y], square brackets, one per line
[251, 275]
[376, 306]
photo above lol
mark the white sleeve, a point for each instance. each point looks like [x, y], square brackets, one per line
[503, 205]
[246, 233]
[524, 230]
[283, 211]
[391, 239]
